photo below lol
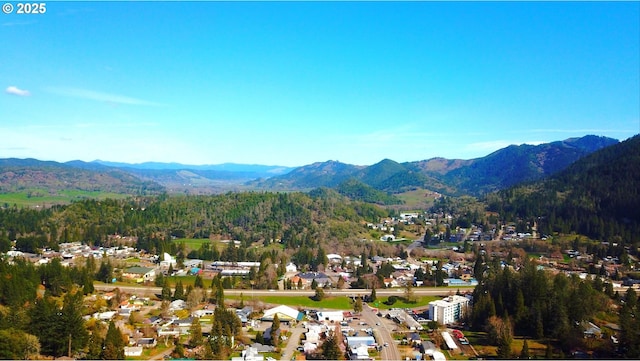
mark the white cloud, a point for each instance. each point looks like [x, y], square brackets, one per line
[14, 90]
[100, 96]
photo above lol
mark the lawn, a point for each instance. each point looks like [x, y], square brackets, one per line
[192, 244]
[149, 353]
[400, 303]
[337, 303]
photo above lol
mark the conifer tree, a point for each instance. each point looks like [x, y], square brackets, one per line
[166, 290]
[275, 327]
[113, 344]
[330, 348]
[178, 293]
[195, 331]
[357, 306]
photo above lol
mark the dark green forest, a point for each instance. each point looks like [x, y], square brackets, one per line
[597, 196]
[533, 304]
[293, 218]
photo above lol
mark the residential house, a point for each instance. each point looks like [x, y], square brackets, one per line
[360, 352]
[249, 354]
[307, 278]
[147, 342]
[139, 274]
[355, 341]
[291, 267]
[132, 351]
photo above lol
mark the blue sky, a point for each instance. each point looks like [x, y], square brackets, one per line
[292, 83]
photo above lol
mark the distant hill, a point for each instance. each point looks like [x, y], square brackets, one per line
[320, 174]
[255, 170]
[598, 196]
[498, 170]
[521, 163]
[359, 191]
[19, 175]
[199, 178]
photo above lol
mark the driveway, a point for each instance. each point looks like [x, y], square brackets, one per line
[292, 342]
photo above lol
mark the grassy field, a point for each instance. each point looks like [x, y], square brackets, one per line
[416, 199]
[480, 342]
[42, 198]
[334, 303]
[192, 243]
[400, 303]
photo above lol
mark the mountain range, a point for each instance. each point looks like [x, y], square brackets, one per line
[501, 169]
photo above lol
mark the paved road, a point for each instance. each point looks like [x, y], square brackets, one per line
[382, 334]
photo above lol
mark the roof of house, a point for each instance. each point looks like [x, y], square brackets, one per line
[313, 275]
[138, 270]
[283, 312]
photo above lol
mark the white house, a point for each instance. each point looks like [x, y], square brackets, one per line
[167, 261]
[360, 352]
[177, 305]
[291, 267]
[132, 351]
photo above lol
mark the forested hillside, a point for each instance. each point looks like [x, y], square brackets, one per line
[597, 196]
[522, 163]
[501, 169]
[44, 178]
[294, 218]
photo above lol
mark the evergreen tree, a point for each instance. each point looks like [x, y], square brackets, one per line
[166, 290]
[94, 347]
[220, 297]
[178, 293]
[505, 339]
[372, 296]
[198, 283]
[105, 273]
[524, 354]
[331, 349]
[113, 344]
[260, 338]
[178, 350]
[195, 331]
[160, 279]
[409, 295]
[275, 327]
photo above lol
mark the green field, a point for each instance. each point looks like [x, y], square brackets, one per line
[400, 303]
[416, 199]
[192, 243]
[42, 198]
[335, 303]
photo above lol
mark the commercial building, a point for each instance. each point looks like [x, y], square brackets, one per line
[448, 310]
